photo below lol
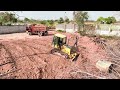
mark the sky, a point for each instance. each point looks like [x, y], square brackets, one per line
[93, 15]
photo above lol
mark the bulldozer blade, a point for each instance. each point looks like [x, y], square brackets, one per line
[75, 58]
[58, 54]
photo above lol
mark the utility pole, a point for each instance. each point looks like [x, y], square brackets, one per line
[64, 20]
[74, 21]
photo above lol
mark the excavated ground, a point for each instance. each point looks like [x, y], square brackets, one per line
[28, 57]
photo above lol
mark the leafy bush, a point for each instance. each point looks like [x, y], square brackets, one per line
[108, 20]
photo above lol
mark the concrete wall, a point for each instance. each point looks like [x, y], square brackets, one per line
[12, 29]
[73, 27]
[71, 30]
[108, 33]
[68, 27]
[102, 29]
[108, 27]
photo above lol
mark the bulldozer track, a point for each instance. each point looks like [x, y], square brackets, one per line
[23, 46]
[6, 63]
[30, 46]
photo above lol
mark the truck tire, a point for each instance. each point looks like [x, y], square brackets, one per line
[43, 34]
[30, 33]
[40, 34]
[27, 32]
[46, 33]
[53, 51]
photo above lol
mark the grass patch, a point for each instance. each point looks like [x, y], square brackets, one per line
[60, 31]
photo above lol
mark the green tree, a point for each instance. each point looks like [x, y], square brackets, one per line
[6, 17]
[48, 24]
[67, 20]
[26, 19]
[61, 20]
[20, 21]
[111, 20]
[15, 20]
[56, 21]
[108, 20]
[80, 17]
[1, 18]
[10, 17]
[51, 22]
[43, 22]
[101, 20]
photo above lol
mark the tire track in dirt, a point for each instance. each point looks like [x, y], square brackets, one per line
[53, 68]
[7, 67]
[14, 52]
[88, 68]
[32, 58]
[44, 59]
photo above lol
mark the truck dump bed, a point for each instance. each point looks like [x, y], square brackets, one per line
[39, 27]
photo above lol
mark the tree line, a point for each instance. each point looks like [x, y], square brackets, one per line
[7, 18]
[81, 16]
[108, 20]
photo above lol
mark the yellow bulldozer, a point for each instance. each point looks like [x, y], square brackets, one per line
[60, 47]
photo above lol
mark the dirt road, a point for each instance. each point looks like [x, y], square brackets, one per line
[23, 56]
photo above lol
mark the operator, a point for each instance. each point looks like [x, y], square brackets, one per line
[76, 41]
[60, 43]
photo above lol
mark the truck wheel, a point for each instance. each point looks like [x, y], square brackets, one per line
[27, 32]
[43, 34]
[46, 33]
[30, 33]
[53, 51]
[40, 34]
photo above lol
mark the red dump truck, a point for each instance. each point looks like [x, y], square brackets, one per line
[40, 29]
